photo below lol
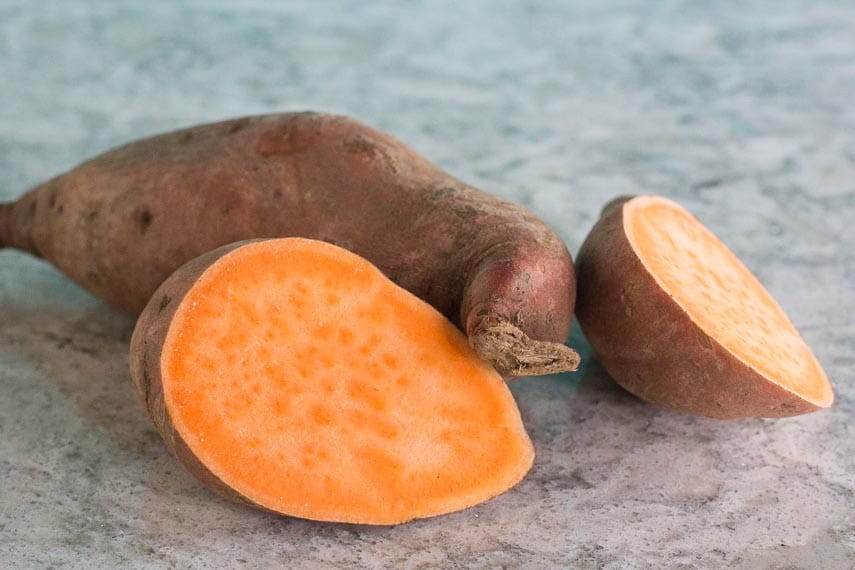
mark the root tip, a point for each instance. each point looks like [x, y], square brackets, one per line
[513, 353]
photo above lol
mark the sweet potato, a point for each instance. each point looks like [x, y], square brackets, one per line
[678, 320]
[121, 223]
[291, 375]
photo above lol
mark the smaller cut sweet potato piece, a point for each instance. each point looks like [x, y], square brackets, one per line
[292, 375]
[678, 320]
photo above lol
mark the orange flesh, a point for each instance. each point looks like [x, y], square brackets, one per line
[722, 296]
[312, 385]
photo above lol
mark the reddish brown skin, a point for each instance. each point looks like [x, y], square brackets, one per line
[145, 360]
[651, 346]
[121, 223]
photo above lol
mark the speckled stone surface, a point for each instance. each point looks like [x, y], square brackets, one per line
[742, 112]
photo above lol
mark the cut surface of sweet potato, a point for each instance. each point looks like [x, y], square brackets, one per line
[722, 296]
[311, 385]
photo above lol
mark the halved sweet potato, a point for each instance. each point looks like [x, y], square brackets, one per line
[678, 320]
[292, 375]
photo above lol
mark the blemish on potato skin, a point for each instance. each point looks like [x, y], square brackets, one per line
[444, 196]
[52, 196]
[238, 126]
[704, 340]
[365, 147]
[146, 386]
[143, 218]
[360, 145]
[625, 299]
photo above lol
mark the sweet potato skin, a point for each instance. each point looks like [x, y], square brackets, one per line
[121, 223]
[650, 345]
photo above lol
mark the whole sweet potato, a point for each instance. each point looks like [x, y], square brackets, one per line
[121, 223]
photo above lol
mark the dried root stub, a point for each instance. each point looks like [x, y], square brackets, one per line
[678, 320]
[292, 375]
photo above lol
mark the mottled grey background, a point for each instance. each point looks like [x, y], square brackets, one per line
[744, 112]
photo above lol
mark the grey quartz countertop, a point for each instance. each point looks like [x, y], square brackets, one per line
[745, 113]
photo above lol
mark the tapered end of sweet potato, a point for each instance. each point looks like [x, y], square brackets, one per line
[294, 376]
[5, 225]
[677, 319]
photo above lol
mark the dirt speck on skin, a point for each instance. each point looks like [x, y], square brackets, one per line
[146, 387]
[238, 126]
[164, 302]
[366, 148]
[52, 195]
[143, 218]
[360, 145]
[626, 298]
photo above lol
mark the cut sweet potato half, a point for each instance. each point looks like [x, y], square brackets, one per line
[678, 320]
[292, 375]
